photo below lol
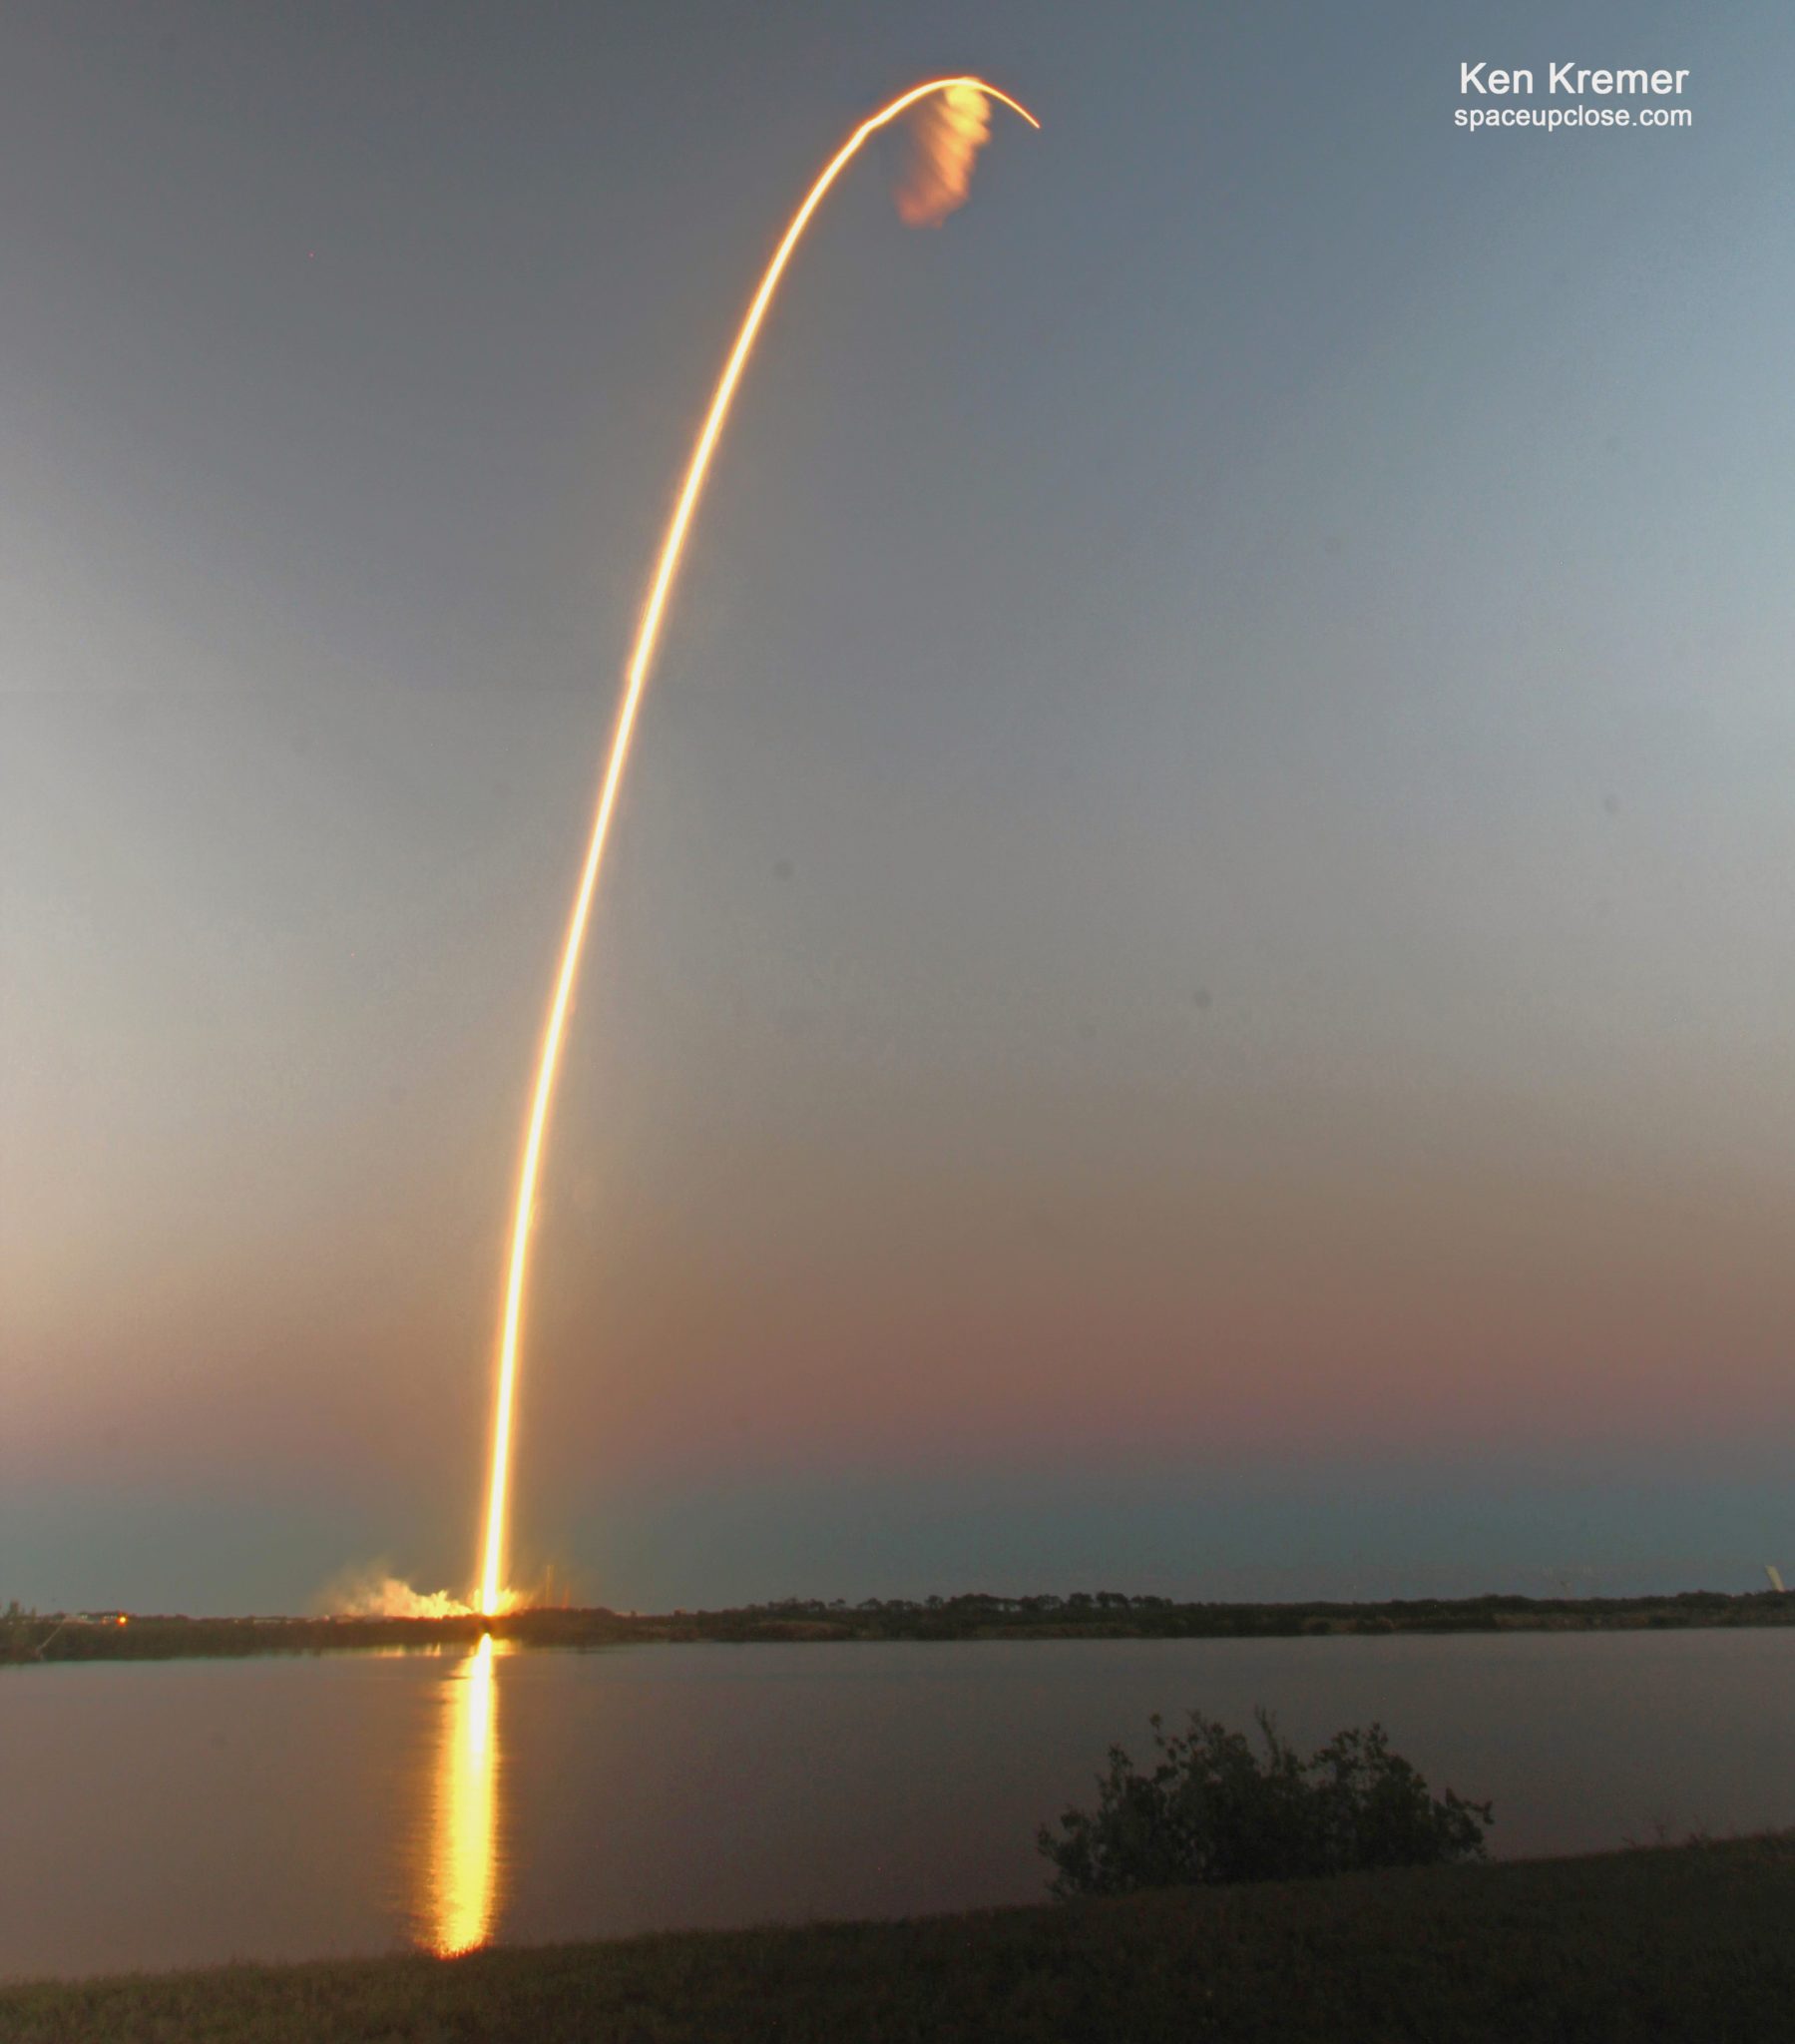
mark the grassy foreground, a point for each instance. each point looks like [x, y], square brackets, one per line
[1693, 1941]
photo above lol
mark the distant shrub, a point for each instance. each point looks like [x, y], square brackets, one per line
[1213, 1809]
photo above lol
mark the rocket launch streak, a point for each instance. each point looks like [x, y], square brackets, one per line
[492, 1595]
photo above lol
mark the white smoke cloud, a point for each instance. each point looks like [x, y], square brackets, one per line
[947, 131]
[372, 1592]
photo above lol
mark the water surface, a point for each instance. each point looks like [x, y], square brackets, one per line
[185, 1813]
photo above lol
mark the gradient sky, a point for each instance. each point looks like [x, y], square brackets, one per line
[1193, 986]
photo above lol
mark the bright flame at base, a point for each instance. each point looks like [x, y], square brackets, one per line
[960, 91]
[461, 1886]
[372, 1593]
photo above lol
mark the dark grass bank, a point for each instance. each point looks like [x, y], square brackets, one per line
[1694, 1941]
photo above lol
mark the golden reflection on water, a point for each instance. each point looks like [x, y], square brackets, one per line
[459, 1875]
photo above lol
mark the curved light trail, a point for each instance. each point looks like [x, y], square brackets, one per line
[493, 1595]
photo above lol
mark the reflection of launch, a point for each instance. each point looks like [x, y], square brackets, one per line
[461, 1866]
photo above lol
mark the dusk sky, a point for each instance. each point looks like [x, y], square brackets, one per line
[1193, 986]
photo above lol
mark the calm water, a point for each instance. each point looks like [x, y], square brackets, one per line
[159, 1816]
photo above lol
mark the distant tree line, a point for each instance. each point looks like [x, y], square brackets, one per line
[974, 1615]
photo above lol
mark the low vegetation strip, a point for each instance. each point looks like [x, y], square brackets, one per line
[28, 1636]
[1639, 1947]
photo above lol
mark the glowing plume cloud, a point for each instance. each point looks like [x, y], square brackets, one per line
[944, 137]
[950, 152]
[374, 1593]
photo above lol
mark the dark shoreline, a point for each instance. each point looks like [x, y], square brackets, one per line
[37, 1637]
[1647, 1946]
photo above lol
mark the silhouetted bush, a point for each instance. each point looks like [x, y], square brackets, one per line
[1213, 1809]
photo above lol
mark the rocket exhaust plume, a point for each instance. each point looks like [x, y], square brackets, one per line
[374, 1593]
[950, 150]
[946, 135]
